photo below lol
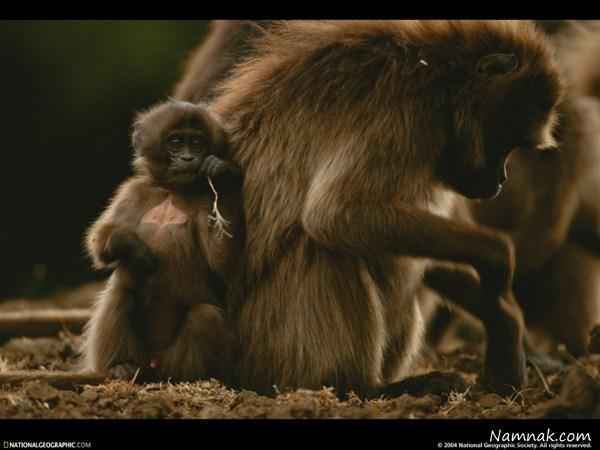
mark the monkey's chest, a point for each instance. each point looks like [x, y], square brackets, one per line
[169, 231]
[171, 228]
[166, 214]
[172, 233]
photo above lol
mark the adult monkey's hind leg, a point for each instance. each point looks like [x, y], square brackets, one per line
[505, 362]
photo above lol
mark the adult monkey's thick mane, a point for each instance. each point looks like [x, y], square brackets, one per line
[285, 46]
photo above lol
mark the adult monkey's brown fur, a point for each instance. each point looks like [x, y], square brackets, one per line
[345, 131]
[162, 309]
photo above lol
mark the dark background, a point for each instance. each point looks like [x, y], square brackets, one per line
[71, 89]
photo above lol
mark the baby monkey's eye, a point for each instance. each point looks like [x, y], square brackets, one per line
[197, 141]
[175, 140]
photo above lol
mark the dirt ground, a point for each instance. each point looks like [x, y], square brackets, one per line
[572, 391]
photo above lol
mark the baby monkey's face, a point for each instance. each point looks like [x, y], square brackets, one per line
[187, 148]
[172, 142]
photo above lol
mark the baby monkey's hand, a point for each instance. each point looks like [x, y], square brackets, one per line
[215, 167]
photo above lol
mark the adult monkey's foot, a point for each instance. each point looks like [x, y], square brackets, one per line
[435, 383]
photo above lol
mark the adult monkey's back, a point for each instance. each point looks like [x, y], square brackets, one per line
[353, 137]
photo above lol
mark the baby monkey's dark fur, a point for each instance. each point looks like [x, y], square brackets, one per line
[162, 309]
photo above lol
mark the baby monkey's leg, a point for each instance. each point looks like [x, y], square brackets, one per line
[109, 338]
[202, 349]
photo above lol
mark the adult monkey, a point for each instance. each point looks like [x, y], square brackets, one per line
[353, 136]
[548, 205]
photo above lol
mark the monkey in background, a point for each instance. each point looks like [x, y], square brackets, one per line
[548, 209]
[561, 291]
[578, 46]
[173, 246]
[354, 137]
[226, 43]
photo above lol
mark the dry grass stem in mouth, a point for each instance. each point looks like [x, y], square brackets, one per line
[216, 219]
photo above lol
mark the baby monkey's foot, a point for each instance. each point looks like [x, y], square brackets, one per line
[125, 371]
[133, 373]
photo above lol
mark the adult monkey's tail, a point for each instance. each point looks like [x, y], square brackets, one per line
[210, 62]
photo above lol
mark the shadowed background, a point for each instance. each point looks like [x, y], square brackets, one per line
[71, 89]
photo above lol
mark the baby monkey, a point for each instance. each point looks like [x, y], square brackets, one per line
[172, 233]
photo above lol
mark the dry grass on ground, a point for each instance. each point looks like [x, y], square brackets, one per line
[573, 391]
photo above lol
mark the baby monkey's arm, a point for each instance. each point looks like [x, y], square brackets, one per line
[113, 236]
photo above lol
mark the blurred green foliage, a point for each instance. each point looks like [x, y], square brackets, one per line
[71, 89]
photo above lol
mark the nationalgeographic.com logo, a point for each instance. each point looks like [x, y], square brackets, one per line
[47, 444]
